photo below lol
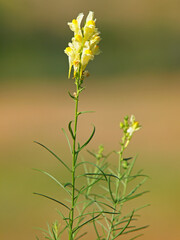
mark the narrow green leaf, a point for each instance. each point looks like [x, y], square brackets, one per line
[52, 199]
[90, 213]
[82, 235]
[100, 174]
[54, 235]
[86, 222]
[140, 235]
[127, 159]
[63, 217]
[54, 179]
[53, 154]
[86, 143]
[84, 162]
[86, 171]
[42, 230]
[63, 230]
[124, 228]
[37, 238]
[110, 191]
[95, 228]
[70, 129]
[136, 229]
[131, 166]
[71, 95]
[69, 144]
[91, 153]
[136, 187]
[135, 196]
[79, 113]
[139, 208]
[48, 238]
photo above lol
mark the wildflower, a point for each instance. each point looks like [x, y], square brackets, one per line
[84, 45]
[134, 126]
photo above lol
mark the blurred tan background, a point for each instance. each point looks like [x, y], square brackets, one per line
[138, 72]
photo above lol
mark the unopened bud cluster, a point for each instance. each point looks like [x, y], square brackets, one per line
[84, 44]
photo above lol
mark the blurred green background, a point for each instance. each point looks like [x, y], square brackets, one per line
[138, 72]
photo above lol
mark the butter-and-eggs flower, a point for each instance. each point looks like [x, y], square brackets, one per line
[84, 44]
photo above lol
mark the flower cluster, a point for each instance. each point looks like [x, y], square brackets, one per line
[84, 44]
[129, 126]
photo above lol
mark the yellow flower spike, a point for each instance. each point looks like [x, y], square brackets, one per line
[84, 43]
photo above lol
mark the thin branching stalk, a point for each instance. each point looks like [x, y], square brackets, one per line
[74, 159]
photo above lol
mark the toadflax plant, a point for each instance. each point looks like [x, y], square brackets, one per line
[97, 194]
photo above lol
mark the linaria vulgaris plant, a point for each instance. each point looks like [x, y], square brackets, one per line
[98, 194]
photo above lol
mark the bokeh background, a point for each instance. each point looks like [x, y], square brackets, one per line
[138, 72]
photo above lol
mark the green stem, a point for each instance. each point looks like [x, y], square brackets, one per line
[74, 158]
[116, 195]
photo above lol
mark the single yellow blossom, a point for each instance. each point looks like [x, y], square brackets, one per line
[134, 126]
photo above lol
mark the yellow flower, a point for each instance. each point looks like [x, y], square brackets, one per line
[75, 25]
[84, 44]
[87, 55]
[69, 51]
[89, 28]
[135, 126]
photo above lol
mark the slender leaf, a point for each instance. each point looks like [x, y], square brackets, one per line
[99, 174]
[52, 199]
[62, 216]
[70, 130]
[82, 235]
[135, 196]
[95, 228]
[137, 229]
[127, 159]
[110, 191]
[140, 235]
[54, 179]
[124, 228]
[86, 222]
[86, 143]
[84, 162]
[53, 155]
[136, 187]
[69, 144]
[79, 113]
[73, 97]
